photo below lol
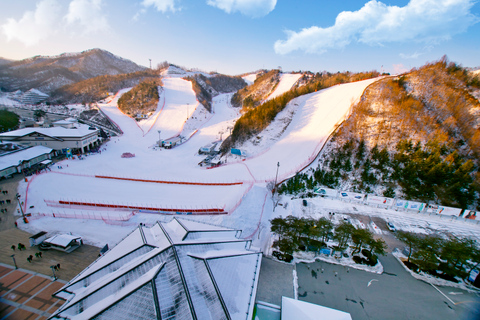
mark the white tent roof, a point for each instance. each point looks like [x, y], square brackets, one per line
[295, 309]
[62, 239]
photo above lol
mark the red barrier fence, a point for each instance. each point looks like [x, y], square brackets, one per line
[173, 182]
[85, 215]
[153, 209]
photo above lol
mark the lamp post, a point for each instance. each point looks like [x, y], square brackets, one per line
[21, 209]
[53, 270]
[159, 140]
[14, 262]
[275, 187]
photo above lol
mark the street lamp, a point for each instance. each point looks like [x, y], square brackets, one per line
[14, 262]
[276, 176]
[53, 270]
[159, 140]
[21, 209]
[275, 187]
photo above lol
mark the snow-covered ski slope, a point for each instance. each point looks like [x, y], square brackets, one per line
[287, 80]
[317, 114]
[250, 78]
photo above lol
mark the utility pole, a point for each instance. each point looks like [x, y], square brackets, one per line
[150, 63]
[21, 209]
[275, 187]
[14, 262]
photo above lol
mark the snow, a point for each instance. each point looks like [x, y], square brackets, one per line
[250, 78]
[293, 139]
[297, 309]
[80, 131]
[62, 239]
[308, 257]
[5, 101]
[431, 279]
[287, 80]
[15, 158]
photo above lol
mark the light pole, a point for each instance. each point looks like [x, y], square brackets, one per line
[21, 209]
[53, 270]
[275, 187]
[159, 140]
[14, 262]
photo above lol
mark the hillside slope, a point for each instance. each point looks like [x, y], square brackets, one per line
[416, 136]
[98, 88]
[47, 73]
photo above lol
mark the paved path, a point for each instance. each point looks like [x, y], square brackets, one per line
[8, 218]
[70, 263]
[26, 295]
[275, 280]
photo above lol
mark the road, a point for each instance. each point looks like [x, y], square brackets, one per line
[395, 294]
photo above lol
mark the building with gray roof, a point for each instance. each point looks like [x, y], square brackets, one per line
[176, 270]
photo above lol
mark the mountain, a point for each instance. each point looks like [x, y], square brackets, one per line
[414, 136]
[5, 61]
[47, 73]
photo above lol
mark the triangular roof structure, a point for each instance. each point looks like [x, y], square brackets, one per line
[295, 309]
[176, 270]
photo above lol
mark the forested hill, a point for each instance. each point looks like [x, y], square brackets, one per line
[415, 136]
[48, 73]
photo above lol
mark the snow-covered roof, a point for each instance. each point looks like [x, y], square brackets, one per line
[58, 132]
[38, 92]
[295, 309]
[14, 159]
[156, 273]
[66, 121]
[62, 240]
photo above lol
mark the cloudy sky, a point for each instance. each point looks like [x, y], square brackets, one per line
[238, 36]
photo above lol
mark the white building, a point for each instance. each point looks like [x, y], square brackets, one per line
[15, 162]
[176, 270]
[80, 138]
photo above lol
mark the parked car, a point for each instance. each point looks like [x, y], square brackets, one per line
[391, 227]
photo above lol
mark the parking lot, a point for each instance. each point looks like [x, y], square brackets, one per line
[395, 294]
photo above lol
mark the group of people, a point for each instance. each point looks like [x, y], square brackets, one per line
[20, 247]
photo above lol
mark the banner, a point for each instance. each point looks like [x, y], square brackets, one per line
[352, 196]
[409, 205]
[472, 215]
[371, 199]
[326, 192]
[447, 211]
[417, 206]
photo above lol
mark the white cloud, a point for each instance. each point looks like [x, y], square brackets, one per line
[415, 55]
[427, 21]
[82, 17]
[161, 5]
[88, 14]
[399, 69]
[251, 8]
[34, 26]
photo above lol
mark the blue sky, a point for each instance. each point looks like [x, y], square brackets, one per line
[238, 36]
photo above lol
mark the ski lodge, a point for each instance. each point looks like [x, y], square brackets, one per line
[77, 137]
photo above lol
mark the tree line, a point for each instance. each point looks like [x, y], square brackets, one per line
[308, 234]
[143, 98]
[419, 171]
[447, 259]
[257, 119]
